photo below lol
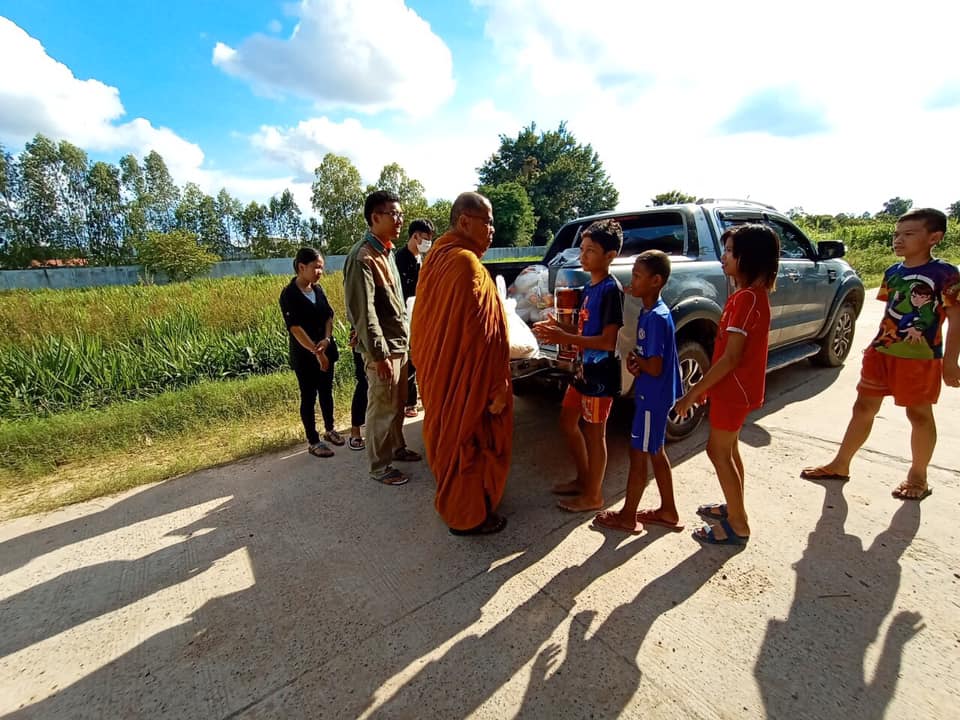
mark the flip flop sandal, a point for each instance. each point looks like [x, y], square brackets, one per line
[821, 474]
[391, 477]
[648, 517]
[706, 535]
[899, 490]
[320, 449]
[334, 437]
[406, 455]
[713, 511]
[357, 443]
[410, 412]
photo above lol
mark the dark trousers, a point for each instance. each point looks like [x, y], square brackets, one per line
[358, 408]
[411, 385]
[315, 383]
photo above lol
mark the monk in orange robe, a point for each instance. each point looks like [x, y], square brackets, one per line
[458, 340]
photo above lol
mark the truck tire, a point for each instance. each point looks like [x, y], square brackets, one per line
[694, 363]
[836, 345]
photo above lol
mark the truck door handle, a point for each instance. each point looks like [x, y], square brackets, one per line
[793, 275]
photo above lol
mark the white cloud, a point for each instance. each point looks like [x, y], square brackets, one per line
[442, 154]
[43, 96]
[651, 85]
[367, 56]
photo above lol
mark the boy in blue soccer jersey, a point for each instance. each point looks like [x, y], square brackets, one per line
[590, 396]
[656, 368]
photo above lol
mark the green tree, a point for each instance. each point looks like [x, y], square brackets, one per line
[105, 226]
[954, 210]
[133, 193]
[8, 213]
[410, 191]
[338, 199]
[162, 194]
[228, 211]
[439, 214]
[563, 178]
[39, 229]
[513, 216]
[176, 254]
[896, 206]
[673, 197]
[72, 190]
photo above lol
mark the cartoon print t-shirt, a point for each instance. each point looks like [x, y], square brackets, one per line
[917, 298]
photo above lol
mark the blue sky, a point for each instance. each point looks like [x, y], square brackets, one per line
[828, 106]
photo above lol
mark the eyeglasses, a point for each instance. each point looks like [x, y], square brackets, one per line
[486, 221]
[395, 214]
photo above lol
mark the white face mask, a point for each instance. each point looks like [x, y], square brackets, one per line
[425, 245]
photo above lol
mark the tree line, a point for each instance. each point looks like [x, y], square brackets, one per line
[55, 204]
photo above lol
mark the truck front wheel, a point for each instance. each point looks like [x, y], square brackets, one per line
[694, 363]
[836, 345]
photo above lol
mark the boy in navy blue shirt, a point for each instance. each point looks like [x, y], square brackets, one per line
[658, 384]
[590, 397]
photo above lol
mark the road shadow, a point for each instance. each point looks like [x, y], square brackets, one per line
[599, 676]
[340, 560]
[813, 663]
[478, 665]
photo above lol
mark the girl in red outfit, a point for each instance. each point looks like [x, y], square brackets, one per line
[735, 381]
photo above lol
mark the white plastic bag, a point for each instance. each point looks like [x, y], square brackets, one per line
[523, 344]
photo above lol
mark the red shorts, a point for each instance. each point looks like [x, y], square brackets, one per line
[592, 409]
[725, 416]
[911, 382]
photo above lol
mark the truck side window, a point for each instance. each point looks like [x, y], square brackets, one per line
[664, 231]
[793, 245]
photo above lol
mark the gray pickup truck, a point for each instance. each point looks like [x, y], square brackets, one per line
[813, 310]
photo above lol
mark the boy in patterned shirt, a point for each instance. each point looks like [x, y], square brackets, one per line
[908, 356]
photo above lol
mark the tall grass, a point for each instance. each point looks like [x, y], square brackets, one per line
[75, 349]
[868, 243]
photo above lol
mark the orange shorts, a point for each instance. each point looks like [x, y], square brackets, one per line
[592, 409]
[724, 416]
[911, 382]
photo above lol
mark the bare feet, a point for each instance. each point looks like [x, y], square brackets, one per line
[615, 520]
[579, 503]
[567, 488]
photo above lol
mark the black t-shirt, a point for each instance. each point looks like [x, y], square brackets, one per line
[312, 317]
[409, 271]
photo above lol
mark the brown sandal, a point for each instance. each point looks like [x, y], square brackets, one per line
[320, 449]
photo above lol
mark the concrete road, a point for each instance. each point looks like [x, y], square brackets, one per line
[292, 587]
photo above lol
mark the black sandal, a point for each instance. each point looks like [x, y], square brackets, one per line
[493, 524]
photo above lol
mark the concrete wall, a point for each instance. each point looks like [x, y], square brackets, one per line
[79, 277]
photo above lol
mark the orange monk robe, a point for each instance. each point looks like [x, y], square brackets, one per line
[458, 340]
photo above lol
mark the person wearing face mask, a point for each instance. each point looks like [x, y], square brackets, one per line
[409, 259]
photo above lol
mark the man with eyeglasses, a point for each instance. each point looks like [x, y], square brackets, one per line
[463, 365]
[377, 311]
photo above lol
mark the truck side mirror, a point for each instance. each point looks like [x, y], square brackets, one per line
[829, 249]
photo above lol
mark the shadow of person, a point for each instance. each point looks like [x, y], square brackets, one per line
[479, 664]
[247, 584]
[600, 676]
[813, 663]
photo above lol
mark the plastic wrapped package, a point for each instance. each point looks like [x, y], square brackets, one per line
[523, 344]
[531, 291]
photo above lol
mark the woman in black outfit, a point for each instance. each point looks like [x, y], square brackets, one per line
[313, 352]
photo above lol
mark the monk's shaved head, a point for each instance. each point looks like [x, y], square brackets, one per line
[466, 204]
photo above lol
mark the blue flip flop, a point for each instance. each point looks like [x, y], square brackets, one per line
[706, 535]
[713, 511]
